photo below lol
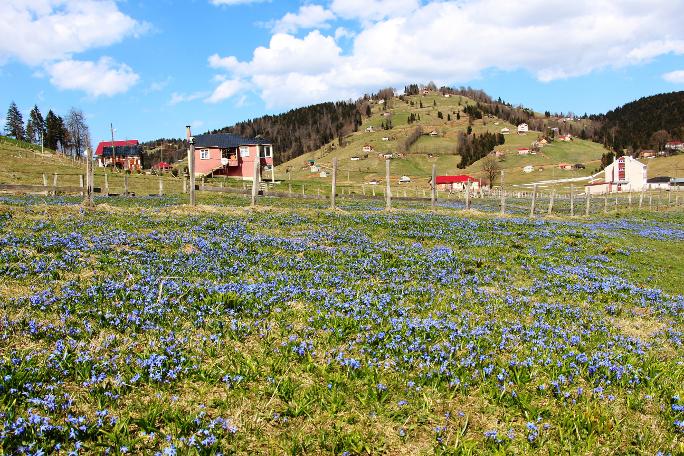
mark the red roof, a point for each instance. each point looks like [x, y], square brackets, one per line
[523, 148]
[463, 178]
[162, 165]
[103, 144]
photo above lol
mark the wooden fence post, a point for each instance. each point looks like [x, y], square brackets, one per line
[373, 188]
[185, 184]
[534, 200]
[54, 185]
[255, 179]
[388, 188]
[334, 185]
[588, 208]
[641, 198]
[125, 184]
[572, 200]
[650, 201]
[303, 195]
[161, 186]
[605, 203]
[503, 202]
[106, 182]
[80, 184]
[551, 197]
[433, 190]
[89, 178]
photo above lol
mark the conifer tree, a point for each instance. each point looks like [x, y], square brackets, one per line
[15, 122]
[35, 127]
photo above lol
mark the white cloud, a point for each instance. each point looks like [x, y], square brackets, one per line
[454, 42]
[38, 31]
[226, 89]
[308, 17]
[102, 78]
[373, 10]
[185, 97]
[675, 77]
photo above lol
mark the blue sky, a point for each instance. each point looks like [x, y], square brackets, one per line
[151, 67]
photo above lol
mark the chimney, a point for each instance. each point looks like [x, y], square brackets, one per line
[188, 133]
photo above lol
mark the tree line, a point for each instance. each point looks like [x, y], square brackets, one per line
[303, 130]
[473, 147]
[69, 134]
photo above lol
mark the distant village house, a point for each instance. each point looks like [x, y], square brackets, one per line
[125, 155]
[230, 155]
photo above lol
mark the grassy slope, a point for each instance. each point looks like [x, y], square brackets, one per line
[417, 164]
[21, 165]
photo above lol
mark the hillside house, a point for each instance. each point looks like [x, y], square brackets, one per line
[385, 138]
[565, 138]
[387, 156]
[434, 133]
[367, 148]
[404, 180]
[457, 183]
[647, 154]
[523, 151]
[370, 129]
[500, 154]
[355, 158]
[126, 154]
[675, 145]
[565, 166]
[230, 155]
[387, 114]
[625, 174]
[505, 131]
[528, 169]
[523, 128]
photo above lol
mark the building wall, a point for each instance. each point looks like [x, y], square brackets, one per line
[244, 170]
[633, 179]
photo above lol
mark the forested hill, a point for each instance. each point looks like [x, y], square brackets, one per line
[646, 123]
[302, 130]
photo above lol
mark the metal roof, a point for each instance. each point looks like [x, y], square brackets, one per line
[227, 140]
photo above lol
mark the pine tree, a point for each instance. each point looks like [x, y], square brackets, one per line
[35, 127]
[15, 122]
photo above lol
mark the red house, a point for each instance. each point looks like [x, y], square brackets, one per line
[126, 155]
[230, 155]
[458, 182]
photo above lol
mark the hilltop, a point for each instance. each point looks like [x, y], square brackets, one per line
[442, 118]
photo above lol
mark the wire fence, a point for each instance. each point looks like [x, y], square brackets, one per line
[271, 192]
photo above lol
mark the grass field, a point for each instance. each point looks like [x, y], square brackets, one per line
[22, 165]
[143, 326]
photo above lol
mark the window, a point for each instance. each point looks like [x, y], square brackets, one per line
[204, 154]
[265, 151]
[244, 151]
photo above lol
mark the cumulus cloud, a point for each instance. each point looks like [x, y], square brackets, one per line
[373, 10]
[675, 77]
[39, 31]
[226, 89]
[101, 78]
[308, 17]
[454, 42]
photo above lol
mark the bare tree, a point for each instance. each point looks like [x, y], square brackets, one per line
[79, 133]
[491, 168]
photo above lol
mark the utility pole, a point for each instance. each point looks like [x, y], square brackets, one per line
[111, 127]
[191, 164]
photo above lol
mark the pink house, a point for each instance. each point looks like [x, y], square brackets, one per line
[230, 155]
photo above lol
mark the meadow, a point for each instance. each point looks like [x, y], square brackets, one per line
[144, 326]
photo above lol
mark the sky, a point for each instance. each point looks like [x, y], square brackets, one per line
[152, 67]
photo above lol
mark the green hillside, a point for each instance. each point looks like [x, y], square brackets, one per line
[24, 164]
[440, 149]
